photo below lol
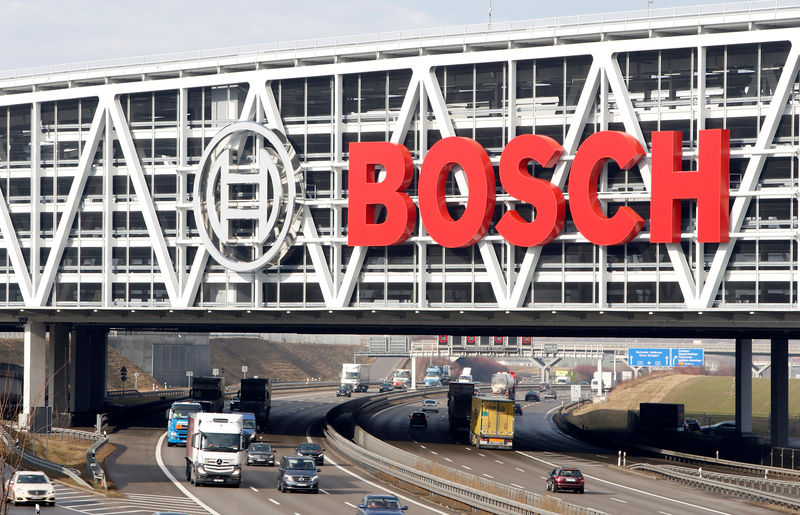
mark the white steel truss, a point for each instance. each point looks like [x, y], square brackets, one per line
[181, 267]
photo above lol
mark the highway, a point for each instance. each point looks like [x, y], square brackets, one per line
[294, 418]
[540, 447]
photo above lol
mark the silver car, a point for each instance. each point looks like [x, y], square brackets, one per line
[30, 486]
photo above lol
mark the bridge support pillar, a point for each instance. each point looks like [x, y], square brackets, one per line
[635, 371]
[744, 385]
[759, 371]
[413, 373]
[88, 355]
[544, 366]
[779, 393]
[34, 379]
[58, 367]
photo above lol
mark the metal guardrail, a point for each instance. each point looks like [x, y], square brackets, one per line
[229, 390]
[465, 488]
[720, 487]
[775, 486]
[100, 439]
[761, 470]
[37, 462]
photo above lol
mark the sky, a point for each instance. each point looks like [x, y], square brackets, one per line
[40, 33]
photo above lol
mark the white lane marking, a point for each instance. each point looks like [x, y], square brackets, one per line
[664, 513]
[175, 481]
[498, 461]
[254, 489]
[542, 477]
[603, 456]
[481, 454]
[434, 452]
[487, 475]
[370, 483]
[324, 492]
[468, 448]
[618, 500]
[519, 469]
[274, 501]
[631, 488]
[466, 467]
[351, 505]
[423, 446]
[448, 459]
[517, 486]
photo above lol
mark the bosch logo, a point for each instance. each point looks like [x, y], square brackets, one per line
[708, 185]
[247, 196]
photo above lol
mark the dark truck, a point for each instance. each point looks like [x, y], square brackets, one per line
[660, 416]
[209, 390]
[255, 397]
[459, 404]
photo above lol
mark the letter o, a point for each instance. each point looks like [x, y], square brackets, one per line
[474, 223]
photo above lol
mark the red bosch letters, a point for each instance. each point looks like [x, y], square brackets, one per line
[709, 185]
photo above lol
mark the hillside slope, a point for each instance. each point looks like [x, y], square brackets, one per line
[287, 361]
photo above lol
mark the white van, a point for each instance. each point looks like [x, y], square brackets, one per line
[562, 380]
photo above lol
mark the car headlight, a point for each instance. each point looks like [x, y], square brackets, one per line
[314, 478]
[201, 469]
[173, 433]
[237, 471]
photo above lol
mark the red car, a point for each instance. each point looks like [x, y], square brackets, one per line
[565, 479]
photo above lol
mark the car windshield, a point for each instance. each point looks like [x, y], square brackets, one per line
[571, 473]
[418, 415]
[298, 464]
[32, 478]
[224, 442]
[249, 423]
[309, 447]
[260, 447]
[383, 503]
[429, 402]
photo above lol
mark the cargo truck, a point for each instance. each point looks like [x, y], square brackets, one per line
[209, 390]
[466, 375]
[178, 421]
[459, 404]
[356, 375]
[214, 449]
[609, 381]
[437, 375]
[255, 396]
[504, 383]
[492, 422]
[401, 378]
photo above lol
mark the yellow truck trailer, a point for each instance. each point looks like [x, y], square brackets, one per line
[492, 422]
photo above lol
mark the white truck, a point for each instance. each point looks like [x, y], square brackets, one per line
[466, 375]
[356, 375]
[609, 381]
[214, 449]
[401, 378]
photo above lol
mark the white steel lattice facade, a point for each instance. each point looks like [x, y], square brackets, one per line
[98, 166]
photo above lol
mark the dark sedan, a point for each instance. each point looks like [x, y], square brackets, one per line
[565, 479]
[517, 409]
[532, 396]
[382, 504]
[385, 386]
[312, 450]
[260, 454]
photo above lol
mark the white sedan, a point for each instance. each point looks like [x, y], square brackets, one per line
[430, 405]
[30, 486]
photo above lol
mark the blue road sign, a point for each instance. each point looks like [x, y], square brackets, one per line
[648, 357]
[686, 357]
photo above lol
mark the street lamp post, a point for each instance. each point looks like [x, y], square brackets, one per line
[189, 374]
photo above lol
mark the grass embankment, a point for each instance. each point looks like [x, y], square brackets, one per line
[709, 399]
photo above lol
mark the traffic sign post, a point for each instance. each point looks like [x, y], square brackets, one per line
[686, 357]
[123, 374]
[189, 374]
[244, 371]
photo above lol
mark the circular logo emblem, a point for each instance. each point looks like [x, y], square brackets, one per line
[219, 461]
[248, 192]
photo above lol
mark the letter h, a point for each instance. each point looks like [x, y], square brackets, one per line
[710, 185]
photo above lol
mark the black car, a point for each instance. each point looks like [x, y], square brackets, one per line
[691, 425]
[344, 391]
[385, 386]
[517, 409]
[532, 396]
[298, 473]
[565, 479]
[418, 419]
[727, 428]
[312, 450]
[260, 454]
[382, 504]
[235, 403]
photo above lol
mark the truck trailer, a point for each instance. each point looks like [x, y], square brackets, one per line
[504, 383]
[492, 422]
[214, 449]
[459, 404]
[209, 390]
[356, 375]
[255, 396]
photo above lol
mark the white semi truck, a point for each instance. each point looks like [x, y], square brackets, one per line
[356, 375]
[505, 384]
[466, 375]
[214, 449]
